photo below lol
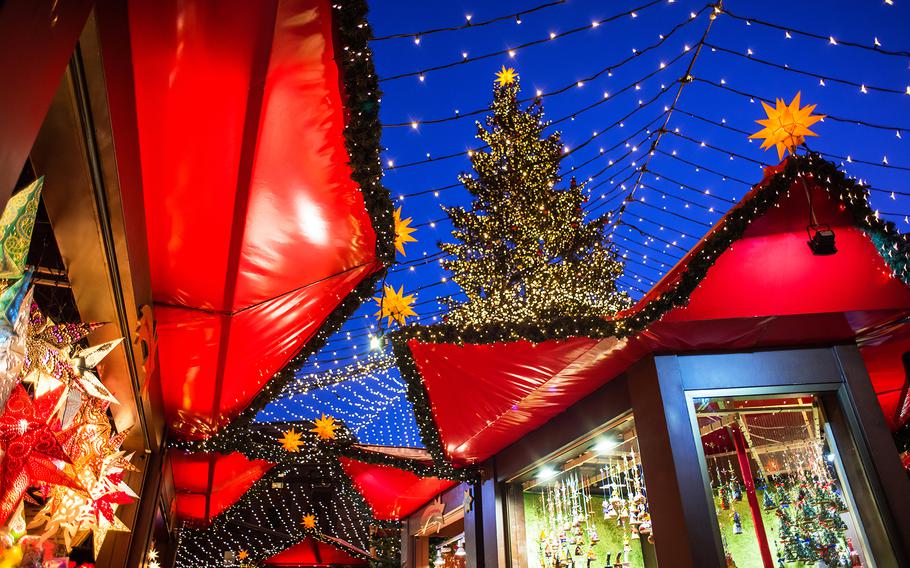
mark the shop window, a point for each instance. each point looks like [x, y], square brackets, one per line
[778, 482]
[586, 507]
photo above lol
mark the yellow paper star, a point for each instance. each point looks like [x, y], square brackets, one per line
[291, 441]
[786, 126]
[309, 521]
[395, 305]
[402, 232]
[243, 555]
[506, 76]
[325, 428]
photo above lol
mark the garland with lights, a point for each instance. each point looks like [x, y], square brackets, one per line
[893, 246]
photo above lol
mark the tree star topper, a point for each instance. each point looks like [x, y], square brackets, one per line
[786, 126]
[395, 305]
[506, 76]
[402, 232]
[309, 521]
[325, 427]
[291, 441]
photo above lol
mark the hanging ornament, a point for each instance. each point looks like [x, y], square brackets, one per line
[30, 447]
[395, 305]
[15, 303]
[291, 441]
[325, 427]
[309, 521]
[402, 231]
[16, 225]
[786, 126]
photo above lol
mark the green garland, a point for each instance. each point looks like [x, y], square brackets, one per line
[893, 246]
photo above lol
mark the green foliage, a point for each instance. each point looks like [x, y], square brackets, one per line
[524, 250]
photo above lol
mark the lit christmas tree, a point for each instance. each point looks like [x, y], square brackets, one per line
[525, 251]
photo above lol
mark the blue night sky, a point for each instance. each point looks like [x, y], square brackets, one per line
[670, 220]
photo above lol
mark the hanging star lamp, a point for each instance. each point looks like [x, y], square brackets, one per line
[786, 126]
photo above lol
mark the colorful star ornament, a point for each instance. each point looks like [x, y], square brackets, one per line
[30, 445]
[99, 465]
[325, 427]
[402, 231]
[291, 440]
[309, 521]
[243, 555]
[786, 126]
[52, 359]
[395, 305]
[506, 76]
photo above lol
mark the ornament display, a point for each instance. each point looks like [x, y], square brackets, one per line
[60, 451]
[577, 531]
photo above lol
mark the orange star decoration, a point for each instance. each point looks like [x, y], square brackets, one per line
[786, 126]
[243, 555]
[506, 76]
[291, 440]
[395, 305]
[402, 232]
[325, 428]
[309, 521]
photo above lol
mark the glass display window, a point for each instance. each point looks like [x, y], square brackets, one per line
[778, 483]
[586, 507]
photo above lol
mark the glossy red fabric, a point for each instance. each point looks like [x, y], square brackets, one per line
[766, 290]
[208, 483]
[392, 493]
[311, 552]
[256, 230]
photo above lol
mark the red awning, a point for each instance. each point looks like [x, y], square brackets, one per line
[256, 231]
[766, 290]
[208, 483]
[312, 552]
[392, 493]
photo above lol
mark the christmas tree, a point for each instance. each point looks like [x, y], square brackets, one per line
[525, 251]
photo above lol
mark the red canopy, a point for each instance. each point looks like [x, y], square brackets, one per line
[256, 231]
[767, 289]
[392, 493]
[312, 552]
[209, 483]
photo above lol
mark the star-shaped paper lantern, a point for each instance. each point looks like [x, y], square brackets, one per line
[30, 447]
[402, 231]
[16, 225]
[15, 302]
[325, 427]
[291, 440]
[309, 521]
[506, 76]
[395, 305]
[786, 126]
[243, 555]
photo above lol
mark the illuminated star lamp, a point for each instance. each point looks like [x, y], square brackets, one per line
[395, 306]
[403, 231]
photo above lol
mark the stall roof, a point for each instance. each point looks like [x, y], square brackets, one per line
[313, 552]
[257, 229]
[764, 288]
[392, 493]
[208, 483]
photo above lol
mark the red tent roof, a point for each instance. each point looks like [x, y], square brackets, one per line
[256, 230]
[767, 289]
[392, 493]
[208, 483]
[312, 552]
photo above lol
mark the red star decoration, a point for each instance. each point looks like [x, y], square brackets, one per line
[29, 444]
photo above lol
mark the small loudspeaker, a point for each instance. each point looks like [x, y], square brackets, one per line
[821, 240]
